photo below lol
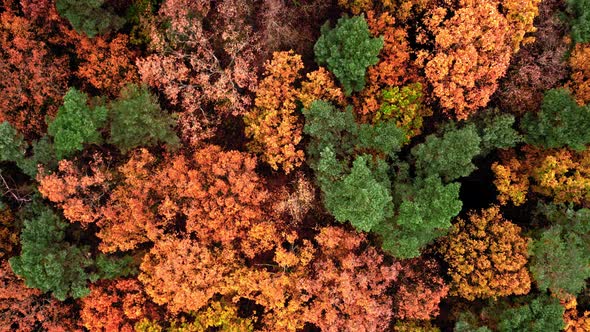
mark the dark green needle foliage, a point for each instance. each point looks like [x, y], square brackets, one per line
[580, 10]
[328, 127]
[448, 156]
[47, 261]
[543, 314]
[12, 143]
[360, 197]
[560, 258]
[76, 123]
[137, 120]
[496, 131]
[13, 148]
[50, 263]
[425, 213]
[89, 16]
[347, 50]
[560, 122]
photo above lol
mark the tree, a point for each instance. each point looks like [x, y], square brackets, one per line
[425, 210]
[116, 306]
[272, 124]
[76, 123]
[404, 107]
[561, 254]
[361, 197]
[14, 148]
[561, 122]
[48, 262]
[520, 15]
[33, 80]
[347, 50]
[168, 273]
[580, 77]
[496, 131]
[348, 286]
[542, 314]
[89, 16]
[472, 51]
[76, 190]
[560, 174]
[573, 321]
[448, 156]
[185, 68]
[320, 85]
[216, 193]
[26, 309]
[106, 65]
[419, 290]
[12, 144]
[137, 120]
[487, 257]
[580, 11]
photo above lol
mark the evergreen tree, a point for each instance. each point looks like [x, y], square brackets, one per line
[136, 119]
[347, 50]
[560, 122]
[76, 123]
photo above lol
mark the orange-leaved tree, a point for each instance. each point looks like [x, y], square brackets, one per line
[420, 288]
[561, 174]
[272, 124]
[579, 62]
[28, 309]
[106, 65]
[487, 256]
[76, 190]
[116, 306]
[472, 51]
[33, 79]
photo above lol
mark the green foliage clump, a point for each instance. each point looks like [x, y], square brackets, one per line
[76, 124]
[496, 131]
[137, 120]
[47, 261]
[424, 214]
[13, 148]
[12, 143]
[89, 16]
[50, 263]
[543, 314]
[580, 9]
[349, 161]
[347, 50]
[561, 255]
[355, 185]
[448, 156]
[360, 197]
[560, 122]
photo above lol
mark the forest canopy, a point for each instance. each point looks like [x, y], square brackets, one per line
[282, 165]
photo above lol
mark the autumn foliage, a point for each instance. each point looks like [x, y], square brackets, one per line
[487, 257]
[558, 173]
[296, 166]
[272, 124]
[472, 51]
[33, 80]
